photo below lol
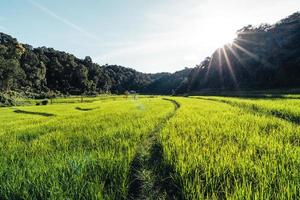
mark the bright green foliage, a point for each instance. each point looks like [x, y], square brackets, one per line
[222, 151]
[73, 151]
[194, 148]
[286, 108]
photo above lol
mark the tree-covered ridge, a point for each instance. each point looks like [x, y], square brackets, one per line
[263, 57]
[169, 83]
[42, 69]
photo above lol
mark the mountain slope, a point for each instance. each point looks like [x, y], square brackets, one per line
[37, 70]
[263, 57]
[169, 83]
[41, 70]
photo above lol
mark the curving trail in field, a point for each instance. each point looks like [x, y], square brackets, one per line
[220, 151]
[151, 148]
[150, 176]
[78, 153]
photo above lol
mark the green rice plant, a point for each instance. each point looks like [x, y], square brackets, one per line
[73, 154]
[288, 109]
[213, 148]
[221, 151]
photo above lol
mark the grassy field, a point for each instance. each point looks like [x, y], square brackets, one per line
[152, 147]
[75, 151]
[228, 152]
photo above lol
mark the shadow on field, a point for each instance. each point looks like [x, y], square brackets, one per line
[253, 96]
[166, 184]
[256, 109]
[150, 175]
[282, 94]
[34, 113]
[135, 183]
[85, 109]
[27, 137]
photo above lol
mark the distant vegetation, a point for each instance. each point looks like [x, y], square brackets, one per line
[263, 57]
[37, 72]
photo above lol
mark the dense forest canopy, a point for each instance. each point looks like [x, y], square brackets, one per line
[40, 70]
[43, 69]
[263, 57]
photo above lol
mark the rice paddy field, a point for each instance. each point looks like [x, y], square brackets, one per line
[116, 147]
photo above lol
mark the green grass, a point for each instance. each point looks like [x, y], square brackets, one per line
[73, 154]
[222, 151]
[288, 109]
[112, 147]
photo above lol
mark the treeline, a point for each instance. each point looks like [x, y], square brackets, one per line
[263, 57]
[38, 70]
[169, 83]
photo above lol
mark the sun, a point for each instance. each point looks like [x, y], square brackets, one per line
[221, 31]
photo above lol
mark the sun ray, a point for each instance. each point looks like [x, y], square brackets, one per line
[257, 58]
[238, 58]
[246, 51]
[208, 69]
[247, 41]
[220, 64]
[230, 68]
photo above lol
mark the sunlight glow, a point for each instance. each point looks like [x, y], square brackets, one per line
[208, 68]
[245, 51]
[155, 37]
[231, 71]
[237, 57]
[246, 41]
[220, 64]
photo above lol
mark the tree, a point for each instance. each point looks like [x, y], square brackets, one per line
[10, 73]
[51, 95]
[126, 93]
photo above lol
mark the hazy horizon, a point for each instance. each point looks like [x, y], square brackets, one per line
[156, 36]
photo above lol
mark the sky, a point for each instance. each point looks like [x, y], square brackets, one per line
[146, 35]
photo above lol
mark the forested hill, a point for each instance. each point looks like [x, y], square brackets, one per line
[169, 83]
[40, 70]
[263, 57]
